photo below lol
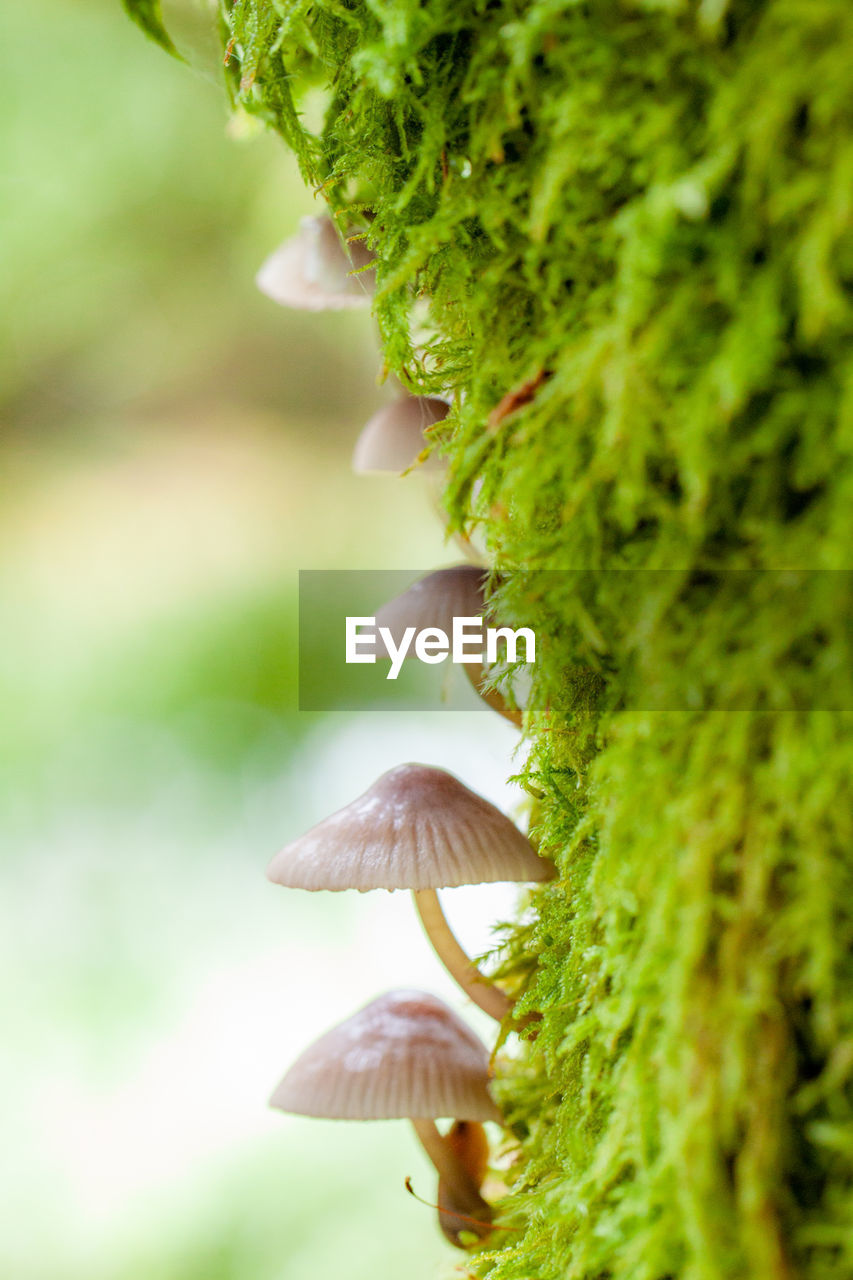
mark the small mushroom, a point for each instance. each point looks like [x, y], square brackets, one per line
[416, 828]
[434, 601]
[314, 271]
[405, 1055]
[393, 439]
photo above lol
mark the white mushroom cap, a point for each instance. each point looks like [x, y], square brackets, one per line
[406, 1055]
[393, 438]
[416, 828]
[434, 601]
[312, 270]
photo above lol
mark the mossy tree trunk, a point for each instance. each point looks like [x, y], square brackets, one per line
[631, 224]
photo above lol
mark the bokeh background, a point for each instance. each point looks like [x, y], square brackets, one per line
[174, 448]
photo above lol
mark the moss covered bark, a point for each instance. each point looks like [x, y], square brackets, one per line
[620, 234]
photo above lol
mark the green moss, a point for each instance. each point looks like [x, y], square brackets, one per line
[639, 212]
[149, 16]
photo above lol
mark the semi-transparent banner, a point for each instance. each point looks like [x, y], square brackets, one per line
[409, 640]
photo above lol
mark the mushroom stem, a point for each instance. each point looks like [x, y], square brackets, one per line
[466, 1197]
[483, 992]
[453, 1220]
[476, 673]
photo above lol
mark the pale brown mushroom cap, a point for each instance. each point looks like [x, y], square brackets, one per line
[393, 439]
[406, 1055]
[312, 270]
[416, 828]
[434, 601]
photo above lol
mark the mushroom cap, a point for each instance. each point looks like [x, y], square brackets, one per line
[312, 270]
[416, 828]
[434, 601]
[405, 1055]
[393, 439]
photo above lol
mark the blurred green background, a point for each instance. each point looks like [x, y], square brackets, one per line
[174, 449]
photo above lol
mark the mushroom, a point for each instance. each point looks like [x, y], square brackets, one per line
[467, 1139]
[393, 439]
[416, 828]
[434, 601]
[405, 1055]
[314, 272]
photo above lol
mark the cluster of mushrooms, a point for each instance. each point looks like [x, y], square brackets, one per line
[406, 1054]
